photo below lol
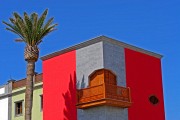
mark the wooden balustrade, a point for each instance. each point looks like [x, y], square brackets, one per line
[104, 94]
[117, 92]
[103, 90]
[90, 94]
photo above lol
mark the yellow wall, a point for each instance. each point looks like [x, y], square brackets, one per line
[19, 94]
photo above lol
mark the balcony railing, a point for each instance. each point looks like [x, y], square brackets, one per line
[104, 94]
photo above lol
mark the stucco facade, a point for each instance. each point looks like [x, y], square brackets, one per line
[4, 103]
[19, 95]
[66, 83]
[131, 65]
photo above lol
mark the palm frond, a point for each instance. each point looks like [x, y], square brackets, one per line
[17, 16]
[21, 25]
[30, 28]
[47, 31]
[28, 22]
[15, 32]
[28, 25]
[34, 18]
[11, 26]
[41, 20]
[49, 22]
[12, 20]
[19, 40]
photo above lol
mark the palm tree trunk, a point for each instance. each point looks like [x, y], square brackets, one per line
[29, 89]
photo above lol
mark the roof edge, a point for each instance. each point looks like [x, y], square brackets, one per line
[96, 40]
[132, 47]
[75, 47]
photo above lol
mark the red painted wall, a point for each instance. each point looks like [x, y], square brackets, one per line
[143, 76]
[59, 87]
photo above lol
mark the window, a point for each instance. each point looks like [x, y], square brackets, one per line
[41, 97]
[154, 100]
[18, 108]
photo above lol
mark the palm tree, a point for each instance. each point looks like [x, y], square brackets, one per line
[31, 29]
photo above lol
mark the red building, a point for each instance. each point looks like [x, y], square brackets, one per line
[103, 79]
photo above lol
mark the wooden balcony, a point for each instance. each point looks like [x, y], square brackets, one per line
[103, 94]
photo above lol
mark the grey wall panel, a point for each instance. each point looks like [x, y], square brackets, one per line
[91, 58]
[114, 59]
[103, 113]
[116, 113]
[88, 59]
[95, 113]
[10, 100]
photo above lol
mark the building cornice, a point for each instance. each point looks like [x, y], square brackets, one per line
[101, 39]
[21, 90]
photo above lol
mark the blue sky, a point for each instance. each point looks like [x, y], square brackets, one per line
[150, 24]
